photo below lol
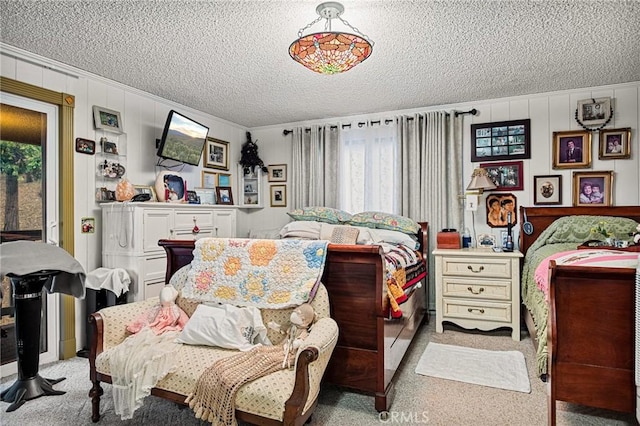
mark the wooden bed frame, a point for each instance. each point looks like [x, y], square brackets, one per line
[542, 217]
[370, 346]
[591, 329]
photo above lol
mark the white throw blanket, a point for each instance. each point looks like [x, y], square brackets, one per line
[137, 364]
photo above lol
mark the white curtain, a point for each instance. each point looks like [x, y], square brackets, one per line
[315, 153]
[369, 172]
[431, 146]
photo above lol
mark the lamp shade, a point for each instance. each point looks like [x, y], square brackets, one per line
[480, 180]
[330, 52]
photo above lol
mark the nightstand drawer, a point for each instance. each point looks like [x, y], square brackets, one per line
[477, 267]
[486, 311]
[476, 289]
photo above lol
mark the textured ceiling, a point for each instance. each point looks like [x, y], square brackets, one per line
[230, 58]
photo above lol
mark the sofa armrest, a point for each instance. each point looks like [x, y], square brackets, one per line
[311, 362]
[113, 322]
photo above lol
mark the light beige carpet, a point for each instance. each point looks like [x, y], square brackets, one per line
[496, 369]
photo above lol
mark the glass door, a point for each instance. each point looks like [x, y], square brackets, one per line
[29, 200]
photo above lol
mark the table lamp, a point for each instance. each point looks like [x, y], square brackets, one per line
[480, 181]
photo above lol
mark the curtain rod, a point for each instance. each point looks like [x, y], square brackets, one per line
[387, 121]
[360, 124]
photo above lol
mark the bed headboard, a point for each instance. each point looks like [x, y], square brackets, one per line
[542, 217]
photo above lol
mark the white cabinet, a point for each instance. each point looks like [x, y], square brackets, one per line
[478, 288]
[250, 188]
[130, 234]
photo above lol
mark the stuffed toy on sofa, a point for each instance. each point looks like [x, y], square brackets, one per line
[166, 316]
[301, 320]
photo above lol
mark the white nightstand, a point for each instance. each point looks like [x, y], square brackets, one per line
[478, 288]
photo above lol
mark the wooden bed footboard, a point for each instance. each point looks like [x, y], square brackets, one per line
[370, 347]
[592, 337]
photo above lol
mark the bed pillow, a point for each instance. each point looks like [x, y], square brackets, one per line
[321, 214]
[225, 326]
[578, 229]
[380, 220]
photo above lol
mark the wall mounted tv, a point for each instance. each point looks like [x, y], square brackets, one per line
[183, 139]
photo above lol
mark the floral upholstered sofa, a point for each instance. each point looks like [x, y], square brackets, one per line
[287, 396]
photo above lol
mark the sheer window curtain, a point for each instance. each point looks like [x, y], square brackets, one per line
[369, 169]
[314, 166]
[431, 167]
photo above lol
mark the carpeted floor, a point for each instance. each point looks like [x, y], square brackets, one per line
[418, 400]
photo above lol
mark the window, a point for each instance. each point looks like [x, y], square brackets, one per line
[369, 176]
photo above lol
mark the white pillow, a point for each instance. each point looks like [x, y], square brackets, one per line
[226, 326]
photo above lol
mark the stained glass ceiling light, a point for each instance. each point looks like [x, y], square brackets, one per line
[330, 52]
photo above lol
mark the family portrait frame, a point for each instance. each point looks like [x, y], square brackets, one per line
[614, 144]
[278, 195]
[593, 188]
[85, 146]
[593, 112]
[224, 195]
[507, 176]
[572, 149]
[107, 119]
[547, 190]
[503, 140]
[499, 205]
[277, 172]
[216, 154]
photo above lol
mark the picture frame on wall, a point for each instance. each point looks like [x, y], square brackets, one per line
[547, 190]
[593, 188]
[592, 112]
[209, 179]
[614, 144]
[507, 176]
[277, 172]
[572, 149]
[502, 140]
[224, 195]
[499, 205]
[278, 196]
[107, 119]
[216, 154]
[85, 146]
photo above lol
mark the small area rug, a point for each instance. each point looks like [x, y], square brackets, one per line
[496, 369]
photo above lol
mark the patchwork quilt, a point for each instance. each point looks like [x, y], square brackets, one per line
[271, 274]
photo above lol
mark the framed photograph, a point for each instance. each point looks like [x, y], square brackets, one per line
[572, 149]
[88, 225]
[109, 147]
[224, 179]
[206, 195]
[209, 179]
[277, 172]
[145, 189]
[501, 207]
[506, 176]
[85, 146]
[486, 241]
[547, 190]
[278, 196]
[224, 195]
[593, 189]
[503, 140]
[107, 119]
[592, 112]
[503, 238]
[614, 144]
[192, 197]
[216, 154]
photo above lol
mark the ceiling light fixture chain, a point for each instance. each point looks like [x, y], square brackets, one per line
[357, 31]
[330, 52]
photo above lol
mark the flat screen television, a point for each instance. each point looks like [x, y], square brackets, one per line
[183, 139]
